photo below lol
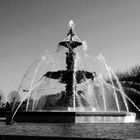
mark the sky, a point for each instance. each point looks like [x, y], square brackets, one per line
[30, 27]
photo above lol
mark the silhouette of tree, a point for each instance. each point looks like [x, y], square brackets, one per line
[130, 80]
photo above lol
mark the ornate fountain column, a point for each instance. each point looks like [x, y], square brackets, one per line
[70, 65]
[70, 86]
[70, 77]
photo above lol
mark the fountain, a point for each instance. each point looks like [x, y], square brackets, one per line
[86, 96]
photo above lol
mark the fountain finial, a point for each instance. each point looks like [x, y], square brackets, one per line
[71, 30]
[70, 43]
[71, 24]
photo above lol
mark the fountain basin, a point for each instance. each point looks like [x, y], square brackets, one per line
[105, 117]
[57, 116]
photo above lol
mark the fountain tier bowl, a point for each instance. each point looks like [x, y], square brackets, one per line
[58, 116]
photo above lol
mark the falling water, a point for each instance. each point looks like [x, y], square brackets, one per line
[18, 108]
[125, 96]
[132, 102]
[110, 76]
[103, 91]
[132, 84]
[120, 87]
[32, 82]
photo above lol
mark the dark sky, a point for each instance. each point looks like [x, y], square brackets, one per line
[29, 27]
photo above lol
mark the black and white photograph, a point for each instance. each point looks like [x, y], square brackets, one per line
[70, 69]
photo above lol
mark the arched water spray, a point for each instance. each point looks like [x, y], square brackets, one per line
[100, 78]
[101, 58]
[120, 87]
[126, 97]
[45, 59]
[131, 86]
[133, 90]
[33, 80]
[24, 99]
[12, 120]
[132, 102]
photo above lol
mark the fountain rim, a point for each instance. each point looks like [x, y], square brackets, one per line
[56, 116]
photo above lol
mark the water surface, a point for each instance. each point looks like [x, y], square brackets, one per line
[96, 130]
